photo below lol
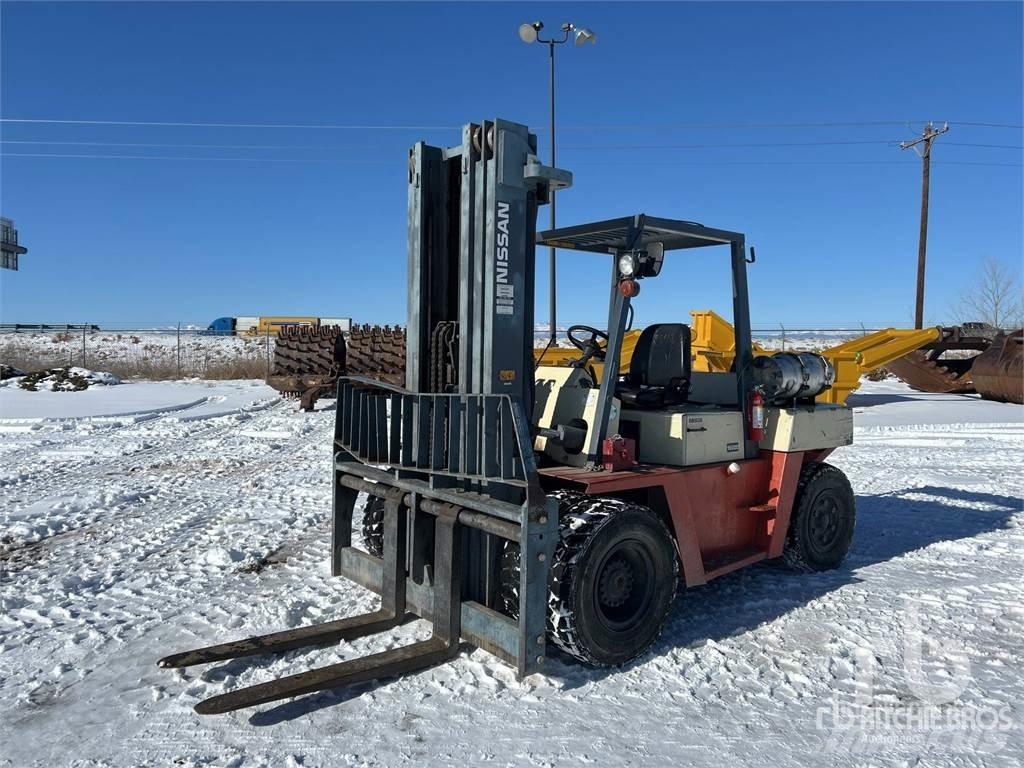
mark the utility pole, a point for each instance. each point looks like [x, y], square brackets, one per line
[925, 153]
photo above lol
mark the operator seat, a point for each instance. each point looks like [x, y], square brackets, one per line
[659, 370]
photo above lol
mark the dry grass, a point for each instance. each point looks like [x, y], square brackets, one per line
[140, 360]
[28, 361]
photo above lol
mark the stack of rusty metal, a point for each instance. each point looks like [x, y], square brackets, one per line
[309, 359]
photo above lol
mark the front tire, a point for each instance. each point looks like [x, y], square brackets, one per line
[823, 519]
[611, 583]
[613, 580]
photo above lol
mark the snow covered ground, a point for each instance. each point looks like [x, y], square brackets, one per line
[139, 401]
[125, 537]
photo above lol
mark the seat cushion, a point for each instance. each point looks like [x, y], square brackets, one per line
[659, 371]
[661, 355]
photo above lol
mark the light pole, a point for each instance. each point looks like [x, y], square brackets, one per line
[530, 33]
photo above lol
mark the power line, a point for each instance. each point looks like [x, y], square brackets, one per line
[781, 144]
[392, 162]
[297, 126]
[418, 127]
[871, 123]
[988, 146]
[339, 147]
[988, 125]
[169, 146]
[183, 157]
[579, 147]
[733, 145]
[787, 162]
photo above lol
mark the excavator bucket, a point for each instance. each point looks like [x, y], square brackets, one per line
[927, 374]
[945, 364]
[713, 342]
[998, 372]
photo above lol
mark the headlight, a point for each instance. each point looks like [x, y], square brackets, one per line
[627, 264]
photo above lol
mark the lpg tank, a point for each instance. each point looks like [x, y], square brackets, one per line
[792, 375]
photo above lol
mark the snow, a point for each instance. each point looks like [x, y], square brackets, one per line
[133, 401]
[123, 540]
[891, 403]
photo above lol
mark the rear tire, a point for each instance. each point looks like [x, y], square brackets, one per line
[373, 526]
[823, 519]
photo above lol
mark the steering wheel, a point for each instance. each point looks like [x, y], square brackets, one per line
[589, 347]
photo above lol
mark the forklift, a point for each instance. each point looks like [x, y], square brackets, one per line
[524, 508]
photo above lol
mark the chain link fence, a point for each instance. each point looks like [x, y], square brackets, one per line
[182, 350]
[150, 352]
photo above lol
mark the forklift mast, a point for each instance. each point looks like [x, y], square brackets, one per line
[472, 226]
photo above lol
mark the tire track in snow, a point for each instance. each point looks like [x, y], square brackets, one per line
[145, 550]
[71, 478]
[152, 435]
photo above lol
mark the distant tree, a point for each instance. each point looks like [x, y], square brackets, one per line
[995, 298]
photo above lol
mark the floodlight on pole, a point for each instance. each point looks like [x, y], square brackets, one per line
[584, 35]
[530, 33]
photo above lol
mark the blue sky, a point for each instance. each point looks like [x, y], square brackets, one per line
[312, 221]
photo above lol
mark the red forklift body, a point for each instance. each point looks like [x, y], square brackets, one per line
[724, 516]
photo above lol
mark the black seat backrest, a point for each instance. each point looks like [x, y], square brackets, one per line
[661, 357]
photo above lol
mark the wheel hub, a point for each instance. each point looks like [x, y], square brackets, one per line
[825, 522]
[616, 584]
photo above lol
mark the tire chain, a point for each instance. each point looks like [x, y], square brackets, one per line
[579, 519]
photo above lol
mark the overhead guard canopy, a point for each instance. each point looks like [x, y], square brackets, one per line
[636, 232]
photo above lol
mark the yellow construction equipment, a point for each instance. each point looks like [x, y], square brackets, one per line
[713, 347]
[856, 357]
[713, 350]
[712, 342]
[565, 355]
